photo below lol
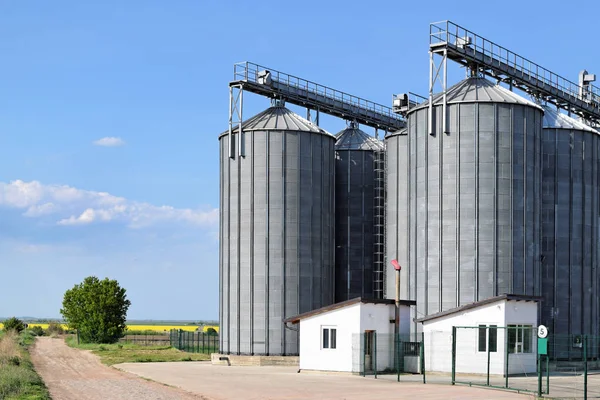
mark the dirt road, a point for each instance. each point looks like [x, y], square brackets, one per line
[72, 374]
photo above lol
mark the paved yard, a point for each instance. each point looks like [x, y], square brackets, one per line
[274, 383]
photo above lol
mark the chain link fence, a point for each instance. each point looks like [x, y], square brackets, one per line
[147, 340]
[194, 342]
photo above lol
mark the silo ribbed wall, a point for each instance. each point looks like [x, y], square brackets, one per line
[277, 236]
[354, 213]
[464, 208]
[570, 197]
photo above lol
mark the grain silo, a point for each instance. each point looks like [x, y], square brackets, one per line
[359, 213]
[471, 219]
[570, 202]
[277, 230]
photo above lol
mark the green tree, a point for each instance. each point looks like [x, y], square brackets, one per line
[97, 309]
[211, 332]
[14, 324]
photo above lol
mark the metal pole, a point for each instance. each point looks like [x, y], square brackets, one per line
[431, 85]
[453, 354]
[230, 137]
[375, 353]
[488, 358]
[422, 354]
[585, 367]
[506, 353]
[445, 111]
[539, 368]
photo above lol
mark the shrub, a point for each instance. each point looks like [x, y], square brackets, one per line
[55, 328]
[14, 324]
[211, 332]
[38, 331]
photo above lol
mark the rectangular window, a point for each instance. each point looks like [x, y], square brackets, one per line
[519, 338]
[333, 338]
[482, 337]
[493, 338]
[329, 338]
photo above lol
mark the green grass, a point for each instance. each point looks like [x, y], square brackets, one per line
[18, 379]
[111, 354]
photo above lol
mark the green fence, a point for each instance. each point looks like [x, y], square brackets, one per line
[508, 358]
[377, 354]
[194, 342]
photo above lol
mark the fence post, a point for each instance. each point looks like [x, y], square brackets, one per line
[539, 368]
[488, 356]
[202, 342]
[585, 367]
[375, 353]
[422, 355]
[453, 354]
[507, 354]
[179, 337]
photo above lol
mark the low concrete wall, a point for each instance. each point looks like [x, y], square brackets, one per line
[255, 361]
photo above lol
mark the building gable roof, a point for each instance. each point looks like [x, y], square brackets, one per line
[470, 306]
[343, 304]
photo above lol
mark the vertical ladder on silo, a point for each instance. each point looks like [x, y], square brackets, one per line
[379, 225]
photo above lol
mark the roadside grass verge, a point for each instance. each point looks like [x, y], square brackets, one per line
[117, 353]
[18, 379]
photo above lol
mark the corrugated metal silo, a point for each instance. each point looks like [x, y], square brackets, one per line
[469, 226]
[277, 231]
[359, 202]
[571, 157]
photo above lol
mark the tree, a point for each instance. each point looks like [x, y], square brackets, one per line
[14, 324]
[211, 332]
[97, 309]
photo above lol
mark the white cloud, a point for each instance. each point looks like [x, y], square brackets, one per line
[72, 206]
[109, 142]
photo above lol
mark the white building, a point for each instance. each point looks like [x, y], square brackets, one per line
[343, 336]
[503, 325]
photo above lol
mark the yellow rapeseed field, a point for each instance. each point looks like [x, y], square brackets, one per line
[156, 328]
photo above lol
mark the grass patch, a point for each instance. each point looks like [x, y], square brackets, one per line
[18, 379]
[117, 353]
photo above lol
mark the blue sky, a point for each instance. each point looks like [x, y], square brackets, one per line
[110, 112]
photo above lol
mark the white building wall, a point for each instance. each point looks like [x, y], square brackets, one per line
[438, 339]
[346, 321]
[350, 323]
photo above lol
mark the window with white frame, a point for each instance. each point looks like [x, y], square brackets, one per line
[328, 337]
[519, 338]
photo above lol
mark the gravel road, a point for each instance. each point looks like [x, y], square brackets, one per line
[72, 374]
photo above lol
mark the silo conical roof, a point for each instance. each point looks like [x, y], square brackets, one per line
[279, 118]
[553, 119]
[352, 138]
[477, 90]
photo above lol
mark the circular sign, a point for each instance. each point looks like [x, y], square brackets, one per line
[542, 331]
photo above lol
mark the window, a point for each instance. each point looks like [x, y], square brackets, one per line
[493, 338]
[488, 340]
[329, 338]
[519, 339]
[482, 337]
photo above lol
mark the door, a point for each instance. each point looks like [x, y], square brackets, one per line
[369, 350]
